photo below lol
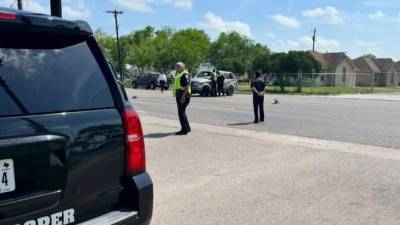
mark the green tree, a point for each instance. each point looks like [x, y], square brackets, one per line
[108, 44]
[262, 60]
[162, 44]
[232, 51]
[189, 46]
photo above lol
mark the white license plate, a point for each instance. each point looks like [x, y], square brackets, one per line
[7, 177]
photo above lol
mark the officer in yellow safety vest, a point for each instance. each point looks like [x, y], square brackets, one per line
[182, 92]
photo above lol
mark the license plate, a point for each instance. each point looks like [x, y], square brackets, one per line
[7, 177]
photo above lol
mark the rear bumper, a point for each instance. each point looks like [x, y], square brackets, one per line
[137, 204]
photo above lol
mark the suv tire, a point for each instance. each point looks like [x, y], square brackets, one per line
[205, 92]
[230, 91]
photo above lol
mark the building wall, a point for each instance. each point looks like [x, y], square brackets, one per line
[345, 75]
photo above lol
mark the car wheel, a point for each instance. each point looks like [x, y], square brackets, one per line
[152, 86]
[205, 92]
[134, 85]
[230, 91]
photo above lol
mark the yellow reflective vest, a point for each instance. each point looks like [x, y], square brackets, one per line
[177, 82]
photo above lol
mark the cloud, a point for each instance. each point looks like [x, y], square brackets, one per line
[76, 13]
[376, 16]
[270, 35]
[361, 47]
[286, 21]
[217, 24]
[380, 3]
[330, 14]
[146, 5]
[73, 10]
[305, 43]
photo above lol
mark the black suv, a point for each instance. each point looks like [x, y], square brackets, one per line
[71, 146]
[148, 81]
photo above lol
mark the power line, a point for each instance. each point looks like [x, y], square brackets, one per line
[116, 14]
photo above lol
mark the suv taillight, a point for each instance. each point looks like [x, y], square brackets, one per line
[7, 16]
[135, 157]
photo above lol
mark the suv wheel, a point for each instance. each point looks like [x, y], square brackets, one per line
[152, 86]
[134, 85]
[205, 92]
[230, 91]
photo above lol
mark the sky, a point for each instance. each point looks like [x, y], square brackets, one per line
[356, 27]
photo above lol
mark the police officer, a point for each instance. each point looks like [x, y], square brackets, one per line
[182, 92]
[220, 83]
[214, 84]
[258, 88]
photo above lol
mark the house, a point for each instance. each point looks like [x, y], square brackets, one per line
[366, 71]
[337, 69]
[389, 73]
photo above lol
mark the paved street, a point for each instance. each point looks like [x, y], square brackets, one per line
[364, 121]
[318, 160]
[221, 175]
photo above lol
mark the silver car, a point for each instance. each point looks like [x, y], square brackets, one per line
[201, 83]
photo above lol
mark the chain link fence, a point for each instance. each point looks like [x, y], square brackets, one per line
[340, 82]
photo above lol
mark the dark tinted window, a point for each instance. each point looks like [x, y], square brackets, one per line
[57, 80]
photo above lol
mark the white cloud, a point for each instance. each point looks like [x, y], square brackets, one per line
[71, 10]
[76, 13]
[270, 35]
[286, 21]
[217, 24]
[361, 47]
[146, 5]
[35, 6]
[376, 16]
[330, 14]
[305, 43]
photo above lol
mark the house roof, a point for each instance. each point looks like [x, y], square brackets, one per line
[366, 65]
[385, 65]
[329, 61]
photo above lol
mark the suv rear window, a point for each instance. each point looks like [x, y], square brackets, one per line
[51, 80]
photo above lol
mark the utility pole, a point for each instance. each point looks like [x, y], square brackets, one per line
[20, 5]
[314, 39]
[116, 14]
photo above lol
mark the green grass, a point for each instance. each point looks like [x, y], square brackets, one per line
[324, 90]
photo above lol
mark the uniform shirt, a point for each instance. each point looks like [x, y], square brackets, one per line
[259, 84]
[185, 81]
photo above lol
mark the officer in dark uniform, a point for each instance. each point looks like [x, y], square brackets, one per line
[220, 83]
[182, 92]
[258, 88]
[214, 84]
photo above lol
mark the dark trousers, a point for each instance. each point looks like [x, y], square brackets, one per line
[221, 89]
[213, 88]
[162, 84]
[258, 103]
[182, 112]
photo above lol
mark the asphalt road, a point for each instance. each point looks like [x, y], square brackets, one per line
[228, 176]
[371, 122]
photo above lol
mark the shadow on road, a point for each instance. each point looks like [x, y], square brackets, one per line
[240, 124]
[158, 135]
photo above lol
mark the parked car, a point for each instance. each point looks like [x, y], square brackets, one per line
[201, 83]
[148, 81]
[71, 145]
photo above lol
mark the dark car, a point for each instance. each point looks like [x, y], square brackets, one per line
[148, 81]
[71, 145]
